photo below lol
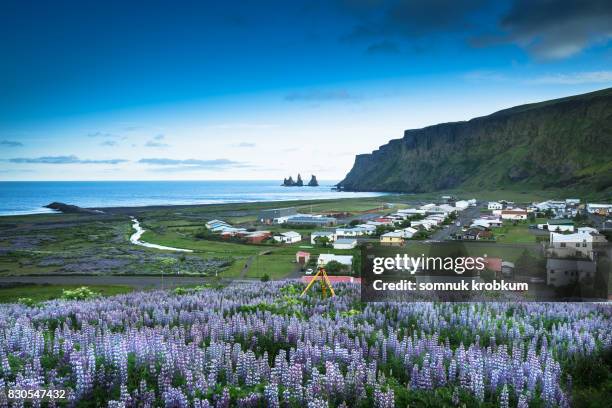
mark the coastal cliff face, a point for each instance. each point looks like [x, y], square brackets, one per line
[562, 143]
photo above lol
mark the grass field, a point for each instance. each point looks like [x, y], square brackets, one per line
[40, 293]
[517, 234]
[99, 244]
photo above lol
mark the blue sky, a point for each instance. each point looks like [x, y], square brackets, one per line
[264, 89]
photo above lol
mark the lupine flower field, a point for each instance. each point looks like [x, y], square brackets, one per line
[261, 345]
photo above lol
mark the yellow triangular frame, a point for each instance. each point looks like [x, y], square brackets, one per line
[325, 283]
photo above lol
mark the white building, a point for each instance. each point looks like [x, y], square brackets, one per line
[572, 201]
[494, 205]
[345, 243]
[514, 215]
[487, 223]
[214, 223]
[356, 231]
[579, 244]
[412, 211]
[427, 224]
[558, 226]
[346, 260]
[443, 209]
[462, 205]
[599, 208]
[409, 232]
[587, 230]
[289, 237]
[319, 234]
[369, 229]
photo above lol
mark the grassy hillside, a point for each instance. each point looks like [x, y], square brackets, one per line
[559, 144]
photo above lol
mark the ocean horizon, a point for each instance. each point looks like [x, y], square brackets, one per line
[30, 197]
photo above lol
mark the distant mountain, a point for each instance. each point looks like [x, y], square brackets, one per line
[561, 143]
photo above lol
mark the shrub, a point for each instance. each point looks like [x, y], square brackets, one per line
[27, 301]
[82, 293]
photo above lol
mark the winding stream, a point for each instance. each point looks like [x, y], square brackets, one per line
[135, 239]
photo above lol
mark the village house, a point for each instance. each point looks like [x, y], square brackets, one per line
[230, 232]
[368, 228]
[302, 257]
[514, 215]
[493, 205]
[276, 215]
[392, 238]
[443, 209]
[345, 243]
[351, 232]
[487, 222]
[427, 224]
[462, 205]
[562, 272]
[600, 209]
[409, 232]
[475, 233]
[257, 237]
[561, 225]
[330, 235]
[289, 237]
[580, 244]
[385, 220]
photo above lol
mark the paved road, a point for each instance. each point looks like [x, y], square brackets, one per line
[464, 217]
[138, 282]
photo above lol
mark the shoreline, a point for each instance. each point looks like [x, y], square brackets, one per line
[119, 210]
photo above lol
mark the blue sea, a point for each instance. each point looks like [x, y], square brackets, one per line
[29, 197]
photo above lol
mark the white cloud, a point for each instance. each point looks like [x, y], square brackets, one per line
[587, 77]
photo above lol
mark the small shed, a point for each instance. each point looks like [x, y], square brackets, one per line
[302, 257]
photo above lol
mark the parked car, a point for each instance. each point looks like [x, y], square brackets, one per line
[309, 271]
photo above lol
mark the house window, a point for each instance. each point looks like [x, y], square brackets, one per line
[552, 271]
[577, 245]
[563, 245]
[584, 244]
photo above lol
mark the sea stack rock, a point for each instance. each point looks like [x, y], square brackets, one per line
[299, 181]
[289, 182]
[313, 181]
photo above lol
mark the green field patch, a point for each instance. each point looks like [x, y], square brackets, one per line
[41, 293]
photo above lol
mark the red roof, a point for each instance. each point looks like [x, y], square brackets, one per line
[335, 279]
[302, 253]
[493, 264]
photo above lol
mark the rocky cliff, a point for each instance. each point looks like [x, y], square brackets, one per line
[562, 143]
